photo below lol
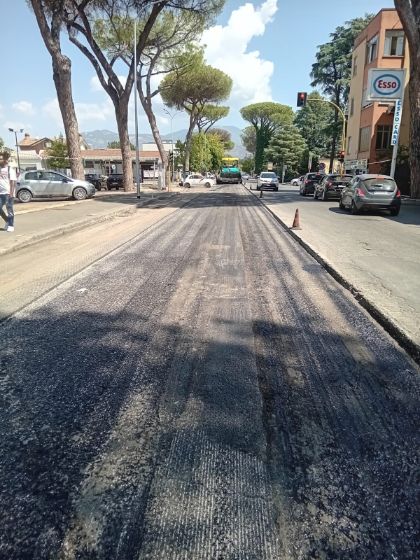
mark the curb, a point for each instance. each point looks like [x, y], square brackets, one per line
[51, 234]
[386, 323]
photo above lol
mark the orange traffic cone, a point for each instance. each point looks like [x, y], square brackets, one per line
[296, 223]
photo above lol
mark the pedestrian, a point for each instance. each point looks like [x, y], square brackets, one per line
[7, 191]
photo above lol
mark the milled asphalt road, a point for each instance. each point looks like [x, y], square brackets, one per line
[220, 397]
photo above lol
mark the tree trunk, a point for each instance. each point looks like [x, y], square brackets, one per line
[409, 12]
[61, 65]
[332, 154]
[62, 80]
[147, 107]
[188, 145]
[121, 114]
[414, 91]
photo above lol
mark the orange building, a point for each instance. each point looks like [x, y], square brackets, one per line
[382, 44]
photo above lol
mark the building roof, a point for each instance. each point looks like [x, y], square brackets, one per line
[107, 154]
[30, 141]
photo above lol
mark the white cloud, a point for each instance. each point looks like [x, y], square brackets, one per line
[52, 110]
[24, 107]
[95, 84]
[17, 125]
[226, 48]
[86, 112]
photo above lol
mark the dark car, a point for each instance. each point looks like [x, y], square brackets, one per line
[331, 186]
[95, 179]
[308, 183]
[371, 192]
[115, 181]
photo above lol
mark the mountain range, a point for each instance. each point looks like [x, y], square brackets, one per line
[101, 138]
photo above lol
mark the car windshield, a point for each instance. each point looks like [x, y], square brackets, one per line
[380, 183]
[268, 175]
[341, 178]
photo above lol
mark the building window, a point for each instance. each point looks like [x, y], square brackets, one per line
[352, 107]
[372, 50]
[364, 139]
[355, 66]
[348, 145]
[383, 136]
[89, 165]
[394, 43]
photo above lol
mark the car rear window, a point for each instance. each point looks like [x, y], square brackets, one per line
[341, 178]
[380, 184]
[315, 176]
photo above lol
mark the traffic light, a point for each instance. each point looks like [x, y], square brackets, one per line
[301, 98]
[341, 155]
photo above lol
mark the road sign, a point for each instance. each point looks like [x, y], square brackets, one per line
[385, 84]
[397, 122]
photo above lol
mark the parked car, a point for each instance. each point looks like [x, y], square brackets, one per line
[371, 192]
[244, 178]
[95, 179]
[47, 184]
[197, 180]
[297, 181]
[115, 181]
[331, 186]
[267, 180]
[308, 183]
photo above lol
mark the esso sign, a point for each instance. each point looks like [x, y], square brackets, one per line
[386, 84]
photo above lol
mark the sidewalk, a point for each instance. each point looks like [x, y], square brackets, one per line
[373, 255]
[38, 221]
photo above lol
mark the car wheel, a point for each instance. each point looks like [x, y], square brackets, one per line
[207, 185]
[187, 185]
[79, 193]
[395, 211]
[353, 208]
[276, 189]
[24, 195]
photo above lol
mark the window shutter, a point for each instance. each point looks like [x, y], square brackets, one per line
[387, 50]
[400, 45]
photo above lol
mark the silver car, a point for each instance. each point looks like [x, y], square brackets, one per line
[47, 184]
[267, 180]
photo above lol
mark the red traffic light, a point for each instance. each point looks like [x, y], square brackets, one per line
[301, 98]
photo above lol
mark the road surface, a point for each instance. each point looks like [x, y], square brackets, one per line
[206, 391]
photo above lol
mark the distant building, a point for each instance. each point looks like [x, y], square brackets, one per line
[382, 44]
[106, 161]
[37, 145]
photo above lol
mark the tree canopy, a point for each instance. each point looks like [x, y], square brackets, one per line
[266, 118]
[286, 148]
[314, 122]
[57, 154]
[193, 90]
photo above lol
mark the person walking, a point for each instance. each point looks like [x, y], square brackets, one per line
[7, 191]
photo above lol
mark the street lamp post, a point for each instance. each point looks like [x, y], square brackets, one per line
[136, 124]
[17, 145]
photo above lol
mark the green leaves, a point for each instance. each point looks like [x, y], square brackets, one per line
[314, 122]
[286, 147]
[266, 118]
[57, 154]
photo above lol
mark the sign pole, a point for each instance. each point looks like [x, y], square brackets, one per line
[396, 132]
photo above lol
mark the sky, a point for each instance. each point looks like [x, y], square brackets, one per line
[266, 46]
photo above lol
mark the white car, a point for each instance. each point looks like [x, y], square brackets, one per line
[296, 182]
[198, 180]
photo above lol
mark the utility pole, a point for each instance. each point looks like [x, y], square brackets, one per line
[17, 145]
[136, 124]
